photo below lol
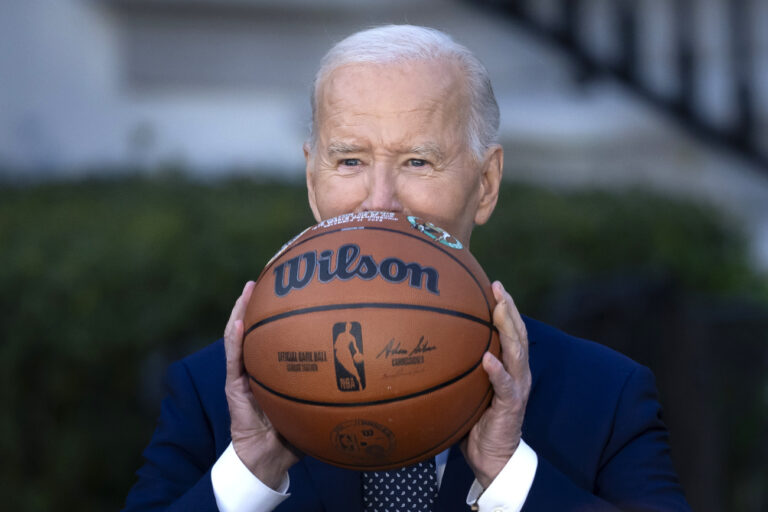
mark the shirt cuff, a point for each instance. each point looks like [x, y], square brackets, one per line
[237, 489]
[510, 488]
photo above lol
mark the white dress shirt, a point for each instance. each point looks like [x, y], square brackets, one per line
[237, 489]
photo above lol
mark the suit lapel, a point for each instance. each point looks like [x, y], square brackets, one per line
[533, 361]
[457, 479]
[338, 489]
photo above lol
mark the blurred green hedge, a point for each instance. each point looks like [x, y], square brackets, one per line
[103, 282]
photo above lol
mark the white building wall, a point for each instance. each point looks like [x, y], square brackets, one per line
[58, 84]
[119, 83]
[216, 87]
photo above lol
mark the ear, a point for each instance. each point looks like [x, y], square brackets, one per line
[490, 181]
[309, 159]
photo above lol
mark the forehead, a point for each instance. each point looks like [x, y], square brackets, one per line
[397, 88]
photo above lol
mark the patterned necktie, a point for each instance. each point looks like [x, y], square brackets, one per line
[408, 488]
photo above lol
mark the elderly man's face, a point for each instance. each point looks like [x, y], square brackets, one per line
[393, 137]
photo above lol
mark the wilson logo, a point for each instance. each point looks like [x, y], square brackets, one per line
[296, 273]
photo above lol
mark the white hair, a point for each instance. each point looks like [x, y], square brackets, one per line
[397, 43]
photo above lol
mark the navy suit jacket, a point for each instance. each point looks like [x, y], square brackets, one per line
[592, 417]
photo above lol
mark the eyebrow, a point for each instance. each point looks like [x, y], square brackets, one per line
[428, 150]
[338, 147]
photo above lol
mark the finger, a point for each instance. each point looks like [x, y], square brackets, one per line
[517, 318]
[502, 316]
[234, 351]
[501, 295]
[238, 311]
[513, 335]
[501, 380]
[233, 334]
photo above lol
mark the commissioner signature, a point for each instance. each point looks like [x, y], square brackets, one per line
[395, 348]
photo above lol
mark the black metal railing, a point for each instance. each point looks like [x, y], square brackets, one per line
[743, 127]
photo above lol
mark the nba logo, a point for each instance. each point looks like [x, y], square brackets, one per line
[348, 356]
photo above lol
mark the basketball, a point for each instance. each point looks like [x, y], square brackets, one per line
[364, 338]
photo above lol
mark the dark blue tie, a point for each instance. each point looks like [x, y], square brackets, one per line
[408, 488]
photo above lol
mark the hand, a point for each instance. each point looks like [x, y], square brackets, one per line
[496, 436]
[261, 448]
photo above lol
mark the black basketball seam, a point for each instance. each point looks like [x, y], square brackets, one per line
[414, 458]
[373, 305]
[373, 402]
[430, 243]
[381, 305]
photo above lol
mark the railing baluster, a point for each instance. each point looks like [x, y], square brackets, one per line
[742, 56]
[740, 136]
[686, 59]
[627, 23]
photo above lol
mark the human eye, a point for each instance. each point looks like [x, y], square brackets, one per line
[350, 162]
[419, 166]
[417, 162]
[349, 166]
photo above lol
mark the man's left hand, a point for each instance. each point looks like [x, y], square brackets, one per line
[496, 436]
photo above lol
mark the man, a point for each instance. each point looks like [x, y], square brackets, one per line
[404, 119]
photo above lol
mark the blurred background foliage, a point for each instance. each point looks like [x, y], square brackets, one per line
[105, 281]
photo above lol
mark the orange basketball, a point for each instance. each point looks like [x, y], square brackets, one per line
[364, 340]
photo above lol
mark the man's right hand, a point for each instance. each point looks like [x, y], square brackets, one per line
[261, 448]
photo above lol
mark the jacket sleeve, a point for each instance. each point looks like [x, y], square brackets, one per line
[176, 473]
[635, 471]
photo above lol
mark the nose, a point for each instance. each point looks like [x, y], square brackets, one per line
[382, 193]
